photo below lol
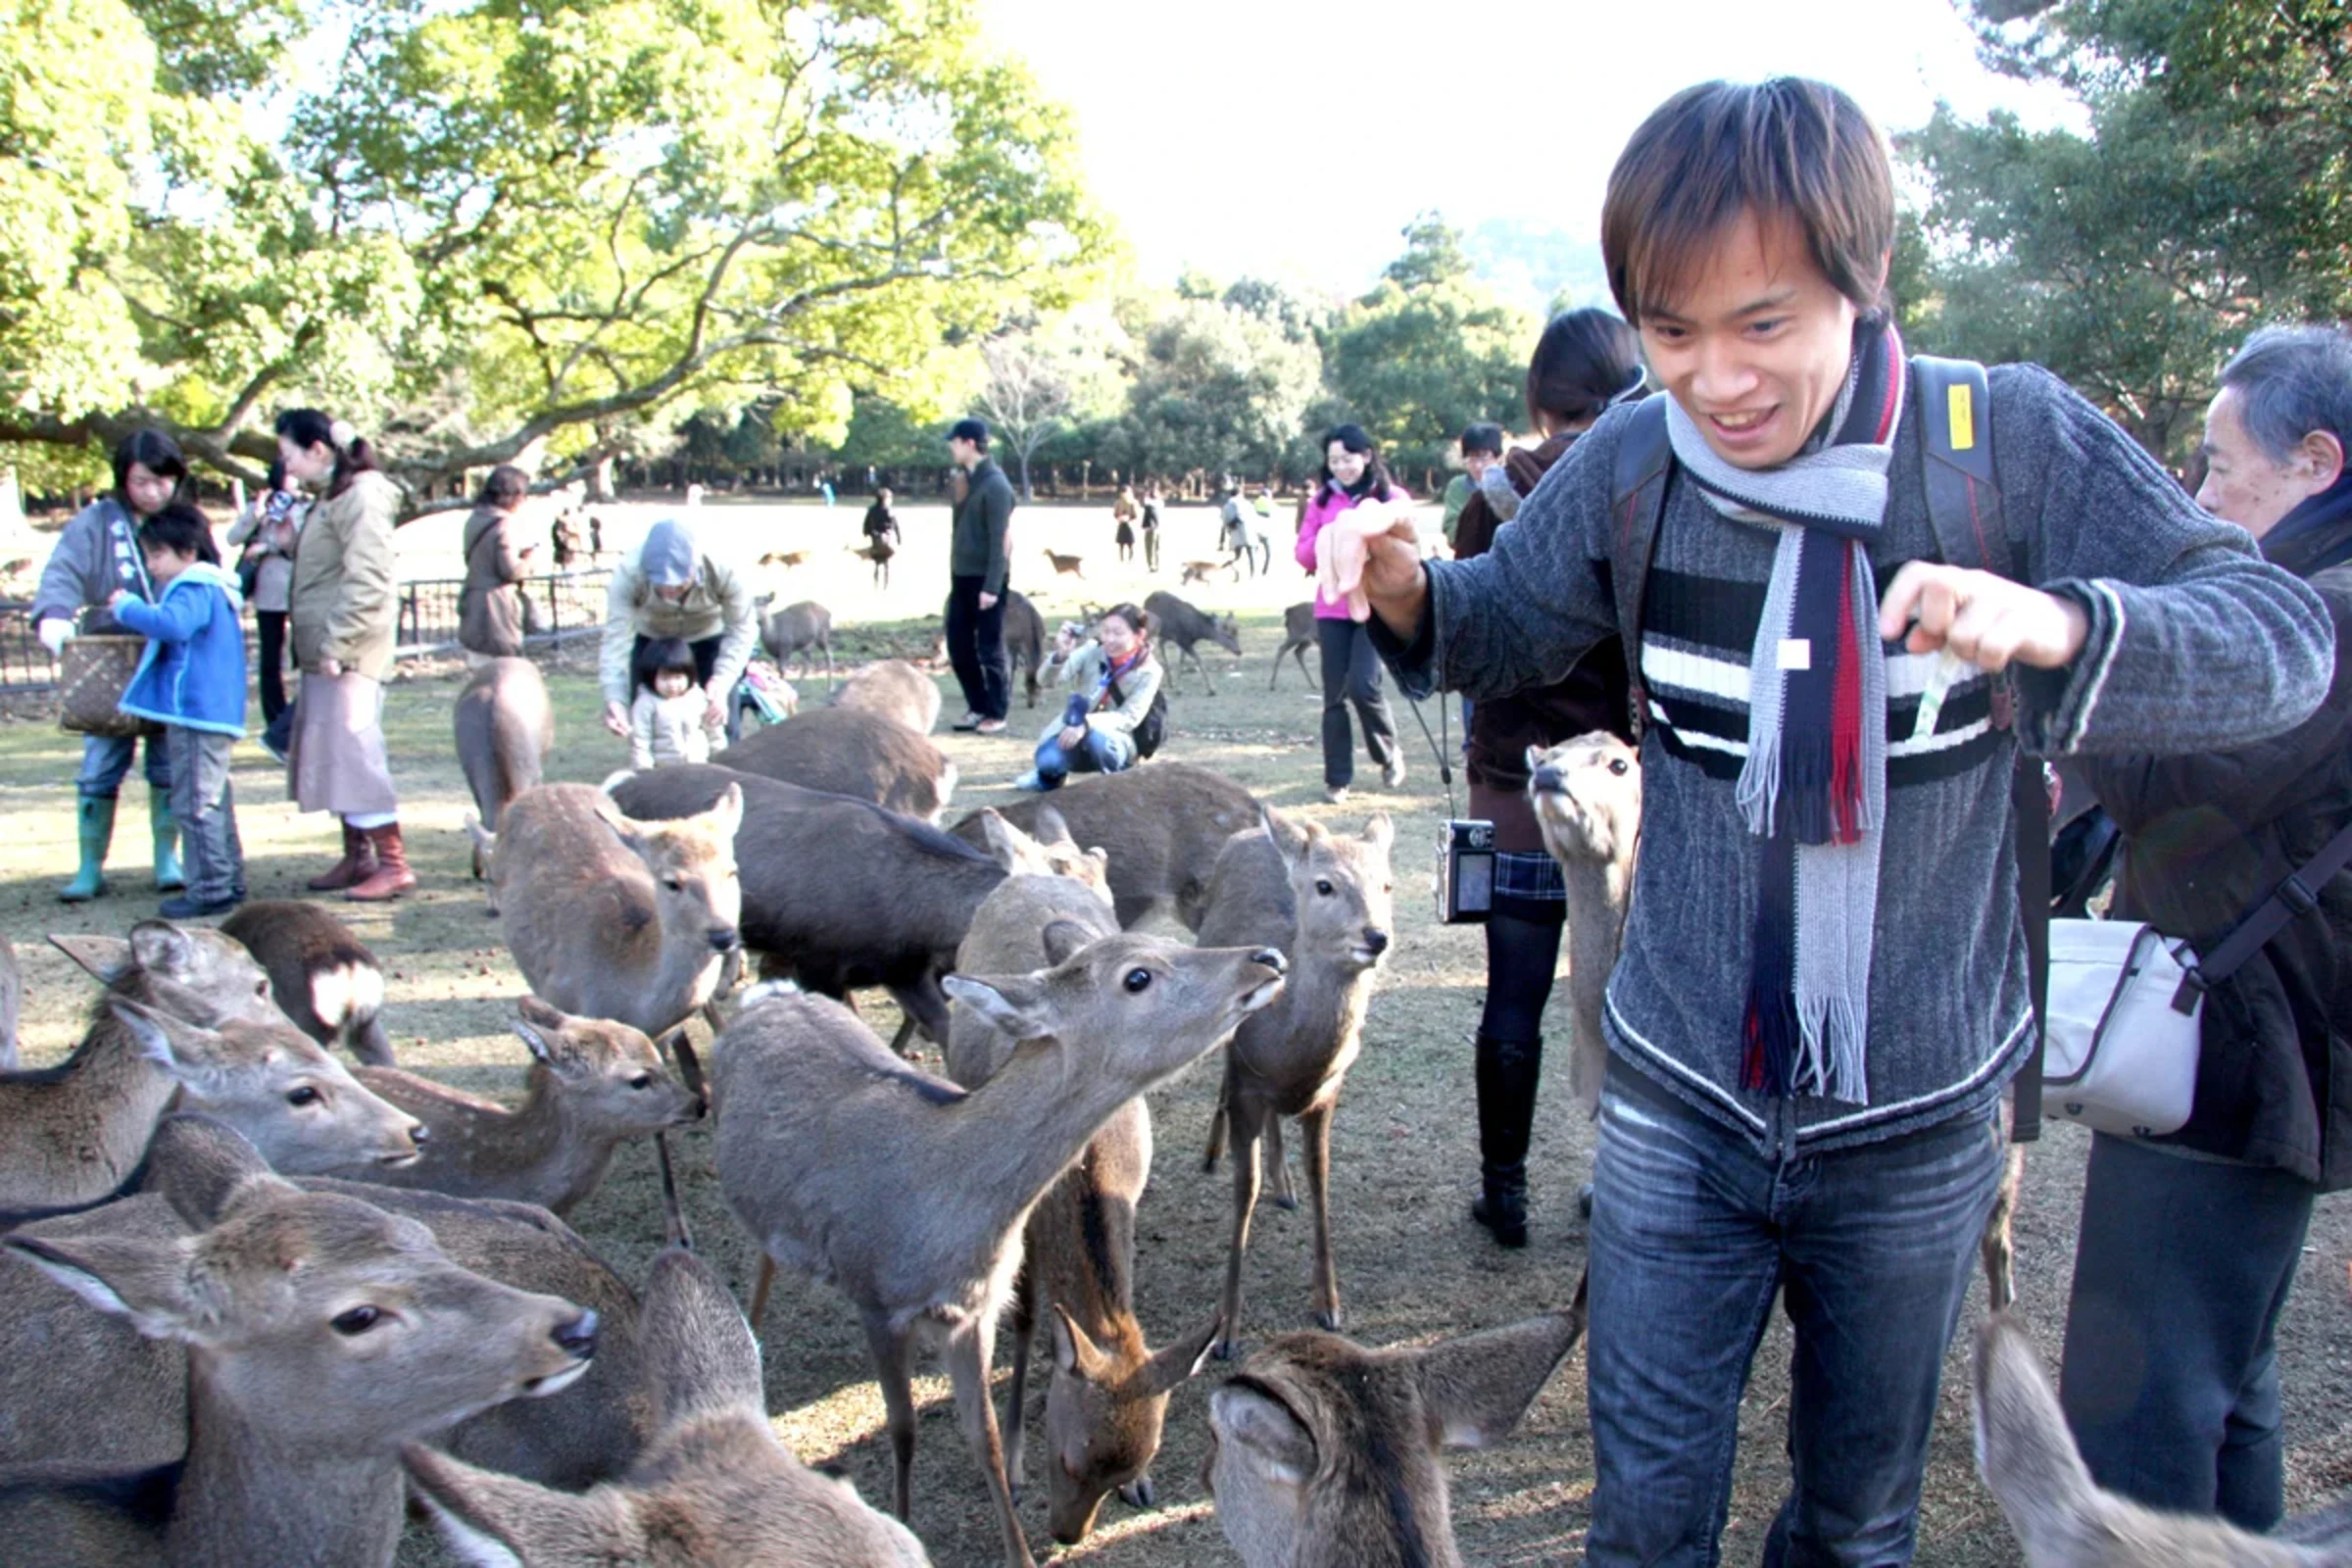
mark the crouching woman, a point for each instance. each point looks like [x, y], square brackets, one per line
[1113, 683]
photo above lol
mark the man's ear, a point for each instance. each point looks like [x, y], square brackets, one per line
[2322, 452]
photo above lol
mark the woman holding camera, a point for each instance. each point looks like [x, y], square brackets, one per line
[1113, 681]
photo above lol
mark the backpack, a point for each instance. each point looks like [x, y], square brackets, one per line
[1954, 406]
[1154, 727]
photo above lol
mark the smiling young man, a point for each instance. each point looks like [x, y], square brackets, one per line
[1823, 985]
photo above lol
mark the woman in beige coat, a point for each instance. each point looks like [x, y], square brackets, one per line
[344, 611]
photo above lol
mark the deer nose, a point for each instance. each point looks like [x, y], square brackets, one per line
[1547, 781]
[578, 1336]
[1376, 941]
[723, 937]
[418, 1133]
[1271, 959]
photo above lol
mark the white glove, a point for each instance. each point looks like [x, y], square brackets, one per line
[55, 632]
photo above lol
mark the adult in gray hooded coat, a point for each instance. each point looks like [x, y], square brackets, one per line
[670, 586]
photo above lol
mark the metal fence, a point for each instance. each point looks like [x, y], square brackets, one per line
[554, 606]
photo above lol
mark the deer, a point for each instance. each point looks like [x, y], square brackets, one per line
[714, 1490]
[593, 1086]
[322, 1333]
[505, 727]
[1330, 902]
[853, 751]
[909, 1193]
[1164, 827]
[321, 975]
[65, 1358]
[1199, 570]
[1182, 626]
[804, 627]
[186, 1019]
[1109, 1395]
[1298, 634]
[12, 1004]
[1067, 566]
[895, 688]
[1324, 1454]
[1587, 798]
[787, 559]
[2064, 1519]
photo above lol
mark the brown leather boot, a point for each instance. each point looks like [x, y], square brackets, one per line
[356, 866]
[391, 877]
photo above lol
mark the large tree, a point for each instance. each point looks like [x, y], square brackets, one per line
[2206, 197]
[505, 227]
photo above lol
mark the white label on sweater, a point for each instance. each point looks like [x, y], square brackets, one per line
[1796, 653]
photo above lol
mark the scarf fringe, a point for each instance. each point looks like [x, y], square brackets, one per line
[1831, 1061]
[1759, 789]
[1769, 1063]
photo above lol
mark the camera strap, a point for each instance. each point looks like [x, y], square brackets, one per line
[1437, 749]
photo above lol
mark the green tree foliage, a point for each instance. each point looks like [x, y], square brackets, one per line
[1430, 350]
[506, 225]
[2207, 197]
[1218, 390]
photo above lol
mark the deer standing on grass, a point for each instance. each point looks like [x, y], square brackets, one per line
[908, 1193]
[1324, 1454]
[1298, 636]
[1108, 1394]
[1067, 566]
[593, 1086]
[1329, 902]
[505, 726]
[324, 1333]
[714, 1489]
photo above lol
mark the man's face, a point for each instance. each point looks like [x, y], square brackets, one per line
[964, 453]
[147, 491]
[1756, 349]
[2243, 484]
[1476, 464]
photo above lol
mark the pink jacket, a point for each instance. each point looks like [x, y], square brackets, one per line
[1319, 511]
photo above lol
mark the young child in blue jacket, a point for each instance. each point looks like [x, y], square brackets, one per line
[192, 682]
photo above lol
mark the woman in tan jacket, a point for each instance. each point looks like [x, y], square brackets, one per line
[344, 610]
[490, 625]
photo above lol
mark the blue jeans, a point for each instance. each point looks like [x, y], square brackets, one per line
[107, 758]
[1693, 1231]
[1099, 753]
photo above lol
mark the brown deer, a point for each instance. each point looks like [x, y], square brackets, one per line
[804, 627]
[1329, 902]
[593, 1086]
[505, 727]
[1067, 566]
[855, 752]
[909, 1193]
[72, 1135]
[714, 1489]
[895, 688]
[1199, 570]
[1184, 626]
[1109, 1392]
[1324, 1454]
[328, 1333]
[65, 1358]
[2064, 1519]
[785, 557]
[321, 975]
[1587, 796]
[1298, 634]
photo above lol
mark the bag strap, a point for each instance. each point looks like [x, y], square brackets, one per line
[1972, 529]
[2297, 895]
[1637, 502]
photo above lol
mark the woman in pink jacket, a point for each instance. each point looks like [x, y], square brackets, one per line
[1351, 472]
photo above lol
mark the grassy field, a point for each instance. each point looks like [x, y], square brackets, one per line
[1412, 1266]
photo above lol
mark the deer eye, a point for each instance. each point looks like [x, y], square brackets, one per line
[1323, 886]
[1617, 765]
[305, 1096]
[674, 884]
[644, 1079]
[1136, 980]
[356, 1322]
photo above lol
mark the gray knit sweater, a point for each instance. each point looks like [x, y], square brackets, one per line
[2194, 644]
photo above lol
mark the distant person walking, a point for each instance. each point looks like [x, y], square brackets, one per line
[1351, 472]
[345, 616]
[1123, 512]
[97, 556]
[267, 528]
[976, 565]
[490, 619]
[1151, 526]
[882, 536]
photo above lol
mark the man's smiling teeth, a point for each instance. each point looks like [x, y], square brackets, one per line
[1742, 421]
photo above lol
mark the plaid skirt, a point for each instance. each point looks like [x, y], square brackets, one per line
[1534, 878]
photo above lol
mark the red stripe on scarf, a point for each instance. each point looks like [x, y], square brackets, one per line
[1846, 718]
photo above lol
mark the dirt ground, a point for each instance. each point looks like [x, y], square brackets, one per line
[1412, 1265]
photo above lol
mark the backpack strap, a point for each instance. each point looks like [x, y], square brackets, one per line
[1637, 502]
[1963, 508]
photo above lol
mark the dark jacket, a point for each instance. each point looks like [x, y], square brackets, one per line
[2208, 837]
[492, 621]
[1589, 697]
[982, 518]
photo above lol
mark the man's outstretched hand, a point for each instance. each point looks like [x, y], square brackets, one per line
[1981, 617]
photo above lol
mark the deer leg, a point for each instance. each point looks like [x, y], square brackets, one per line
[1249, 1125]
[968, 1364]
[690, 1065]
[1315, 1124]
[673, 1212]
[767, 1282]
[1278, 1169]
[1218, 1121]
[1024, 1335]
[1303, 669]
[891, 1359]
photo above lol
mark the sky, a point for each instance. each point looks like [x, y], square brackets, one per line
[1295, 141]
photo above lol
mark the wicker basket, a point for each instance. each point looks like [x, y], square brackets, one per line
[92, 674]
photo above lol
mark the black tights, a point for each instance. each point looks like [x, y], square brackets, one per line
[1521, 955]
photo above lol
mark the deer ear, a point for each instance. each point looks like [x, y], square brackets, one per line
[161, 948]
[1076, 1355]
[1179, 1360]
[1064, 940]
[1263, 1430]
[726, 815]
[489, 1520]
[1050, 827]
[159, 1038]
[1476, 1388]
[527, 1031]
[1002, 839]
[198, 1165]
[106, 958]
[140, 1277]
[1381, 831]
[1015, 1004]
[1534, 757]
[699, 1353]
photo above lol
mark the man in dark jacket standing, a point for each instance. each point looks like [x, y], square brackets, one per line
[2188, 1243]
[976, 564]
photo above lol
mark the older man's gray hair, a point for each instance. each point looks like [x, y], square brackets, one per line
[2292, 381]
